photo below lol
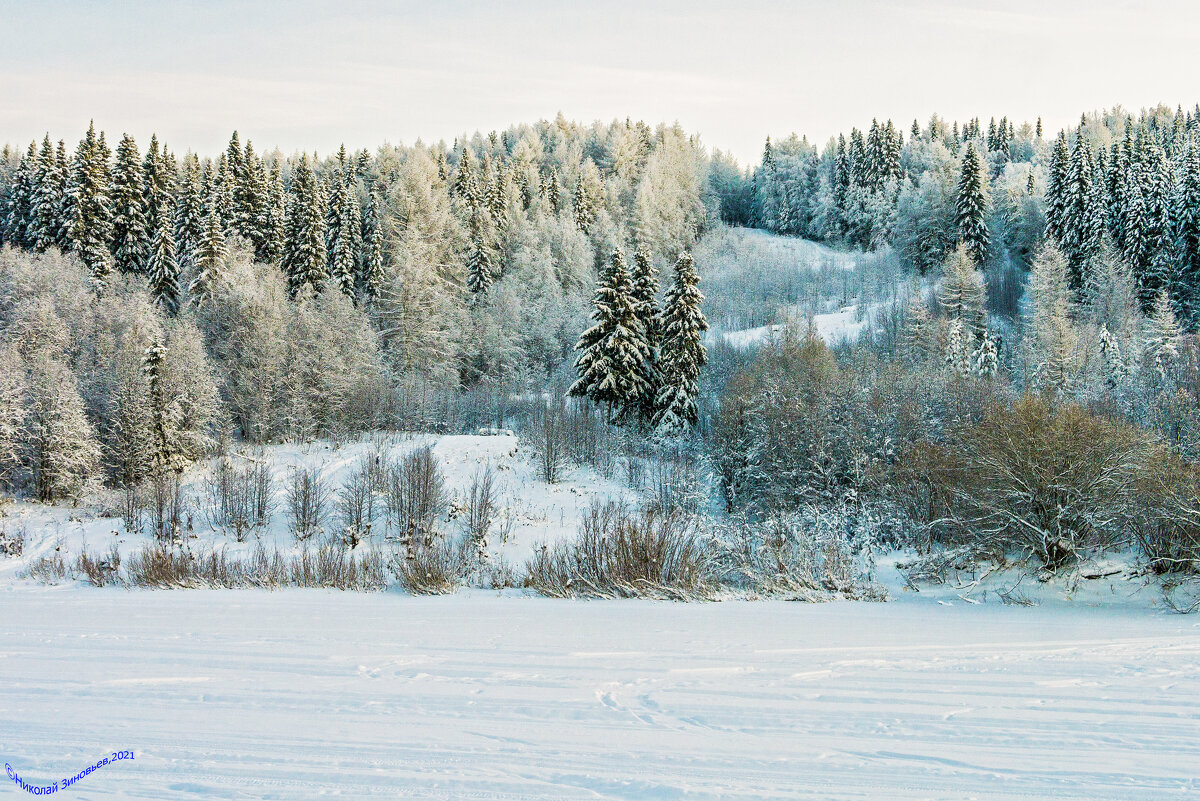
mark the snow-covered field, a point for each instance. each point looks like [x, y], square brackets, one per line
[844, 324]
[307, 693]
[539, 512]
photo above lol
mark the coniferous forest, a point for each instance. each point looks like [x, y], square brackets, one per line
[1027, 384]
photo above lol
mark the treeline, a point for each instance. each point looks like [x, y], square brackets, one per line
[1132, 184]
[153, 305]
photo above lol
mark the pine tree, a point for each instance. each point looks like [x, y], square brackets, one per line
[612, 352]
[371, 264]
[131, 239]
[681, 353]
[91, 207]
[46, 223]
[163, 268]
[210, 260]
[971, 207]
[304, 254]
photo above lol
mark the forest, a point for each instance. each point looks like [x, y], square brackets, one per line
[1022, 384]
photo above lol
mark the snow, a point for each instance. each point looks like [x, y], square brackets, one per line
[541, 512]
[845, 324]
[304, 694]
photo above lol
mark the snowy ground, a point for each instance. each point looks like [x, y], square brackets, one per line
[304, 694]
[540, 512]
[844, 324]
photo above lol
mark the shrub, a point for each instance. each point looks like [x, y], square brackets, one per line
[1040, 478]
[308, 502]
[433, 565]
[1167, 517]
[415, 494]
[356, 501]
[621, 553]
[239, 497]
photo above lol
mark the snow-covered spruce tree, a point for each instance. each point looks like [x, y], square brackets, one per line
[189, 211]
[91, 207]
[962, 295]
[466, 183]
[645, 298]
[1111, 360]
[210, 261]
[158, 179]
[681, 350]
[1160, 266]
[370, 265]
[1075, 213]
[1056, 187]
[971, 207]
[163, 267]
[1163, 336]
[985, 361]
[1187, 220]
[343, 231]
[612, 352]
[250, 202]
[585, 204]
[304, 250]
[61, 450]
[481, 272]
[131, 239]
[957, 358]
[46, 210]
[18, 213]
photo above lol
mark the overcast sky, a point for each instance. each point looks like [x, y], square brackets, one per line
[314, 74]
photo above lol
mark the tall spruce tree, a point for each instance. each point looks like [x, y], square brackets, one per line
[131, 238]
[45, 222]
[304, 259]
[971, 207]
[371, 264]
[481, 271]
[343, 226]
[681, 350]
[189, 211]
[613, 351]
[91, 206]
[210, 259]
[1187, 222]
[163, 267]
[19, 215]
[645, 298]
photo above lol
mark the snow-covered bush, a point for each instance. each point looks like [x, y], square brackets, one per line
[308, 501]
[415, 495]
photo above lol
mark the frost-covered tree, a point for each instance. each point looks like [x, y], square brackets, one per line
[47, 202]
[12, 410]
[131, 238]
[1187, 220]
[189, 211]
[91, 206]
[585, 200]
[343, 226]
[481, 272]
[1053, 340]
[681, 353]
[163, 267]
[61, 449]
[18, 211]
[210, 261]
[971, 207]
[304, 258]
[1163, 336]
[962, 295]
[370, 268]
[612, 353]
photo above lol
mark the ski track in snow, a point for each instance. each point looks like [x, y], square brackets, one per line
[303, 694]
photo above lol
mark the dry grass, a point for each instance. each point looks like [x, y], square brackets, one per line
[621, 553]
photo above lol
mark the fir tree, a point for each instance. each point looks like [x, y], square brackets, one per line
[163, 268]
[971, 207]
[19, 217]
[305, 253]
[466, 184]
[343, 227]
[189, 211]
[158, 179]
[275, 229]
[210, 260]
[1056, 187]
[1187, 228]
[371, 264]
[645, 299]
[131, 239]
[91, 207]
[585, 205]
[481, 273]
[46, 224]
[681, 353]
[613, 351]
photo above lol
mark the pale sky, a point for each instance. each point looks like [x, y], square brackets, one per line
[314, 74]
